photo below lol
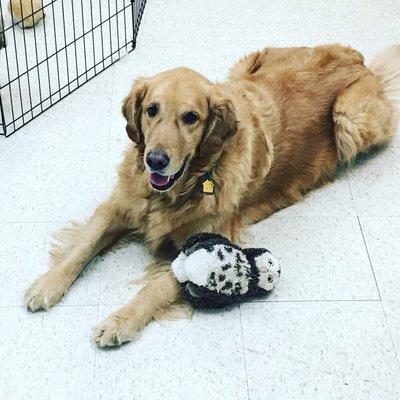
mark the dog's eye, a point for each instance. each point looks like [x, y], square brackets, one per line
[190, 118]
[152, 110]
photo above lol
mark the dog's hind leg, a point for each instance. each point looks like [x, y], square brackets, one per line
[76, 247]
[365, 114]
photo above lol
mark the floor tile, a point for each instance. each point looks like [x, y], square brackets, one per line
[392, 311]
[60, 166]
[331, 200]
[321, 258]
[396, 139]
[25, 244]
[201, 48]
[119, 267]
[382, 236]
[118, 136]
[319, 351]
[10, 271]
[47, 356]
[51, 186]
[27, 257]
[118, 141]
[373, 183]
[200, 358]
[78, 123]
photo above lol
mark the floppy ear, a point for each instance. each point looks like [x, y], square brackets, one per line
[132, 110]
[221, 125]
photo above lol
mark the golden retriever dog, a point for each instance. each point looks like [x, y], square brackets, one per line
[275, 129]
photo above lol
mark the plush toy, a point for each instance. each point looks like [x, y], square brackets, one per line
[214, 272]
[26, 12]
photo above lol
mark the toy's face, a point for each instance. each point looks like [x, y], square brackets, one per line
[269, 269]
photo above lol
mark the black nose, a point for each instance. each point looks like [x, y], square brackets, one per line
[157, 160]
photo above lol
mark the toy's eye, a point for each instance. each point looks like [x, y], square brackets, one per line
[190, 118]
[152, 111]
[270, 263]
[270, 279]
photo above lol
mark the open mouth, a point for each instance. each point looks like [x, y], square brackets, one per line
[164, 182]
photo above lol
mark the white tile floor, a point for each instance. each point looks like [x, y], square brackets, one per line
[330, 331]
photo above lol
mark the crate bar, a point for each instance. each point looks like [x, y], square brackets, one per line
[65, 47]
[28, 66]
[3, 121]
[2, 116]
[62, 88]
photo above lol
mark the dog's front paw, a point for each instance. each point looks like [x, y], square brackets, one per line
[44, 292]
[116, 329]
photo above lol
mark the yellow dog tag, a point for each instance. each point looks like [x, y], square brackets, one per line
[208, 186]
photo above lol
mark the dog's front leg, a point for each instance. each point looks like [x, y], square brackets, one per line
[121, 326]
[77, 247]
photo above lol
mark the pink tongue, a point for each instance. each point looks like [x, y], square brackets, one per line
[158, 180]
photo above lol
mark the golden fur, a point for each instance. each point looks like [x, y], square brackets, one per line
[278, 127]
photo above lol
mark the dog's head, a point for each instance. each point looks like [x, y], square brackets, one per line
[180, 123]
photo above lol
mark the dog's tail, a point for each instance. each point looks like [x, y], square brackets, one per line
[386, 66]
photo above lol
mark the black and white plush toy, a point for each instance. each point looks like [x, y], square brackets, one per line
[214, 272]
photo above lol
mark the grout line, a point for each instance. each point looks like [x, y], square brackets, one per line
[351, 193]
[98, 294]
[281, 217]
[315, 301]
[330, 216]
[40, 151]
[363, 236]
[369, 258]
[379, 216]
[391, 337]
[247, 302]
[244, 353]
[97, 322]
[94, 371]
[95, 354]
[34, 222]
[49, 310]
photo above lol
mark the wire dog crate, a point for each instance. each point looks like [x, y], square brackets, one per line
[69, 43]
